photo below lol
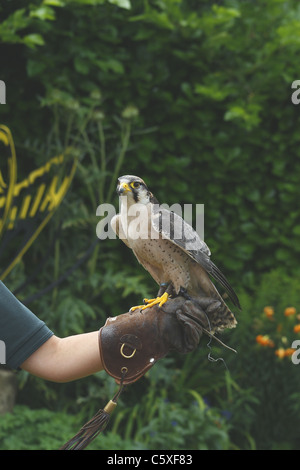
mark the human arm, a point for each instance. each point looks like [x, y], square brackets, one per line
[75, 357]
[65, 359]
[32, 346]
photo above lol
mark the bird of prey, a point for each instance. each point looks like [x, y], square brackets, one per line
[170, 250]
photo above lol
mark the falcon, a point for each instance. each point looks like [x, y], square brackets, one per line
[170, 250]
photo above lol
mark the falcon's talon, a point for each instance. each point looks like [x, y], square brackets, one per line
[159, 300]
[136, 308]
[164, 299]
[151, 302]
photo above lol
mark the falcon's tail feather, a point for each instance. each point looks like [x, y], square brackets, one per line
[217, 315]
[219, 276]
[221, 318]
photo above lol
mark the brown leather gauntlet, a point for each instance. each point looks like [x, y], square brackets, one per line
[130, 344]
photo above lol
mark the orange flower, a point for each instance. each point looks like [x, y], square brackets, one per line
[297, 328]
[269, 311]
[259, 339]
[280, 353]
[265, 341]
[289, 311]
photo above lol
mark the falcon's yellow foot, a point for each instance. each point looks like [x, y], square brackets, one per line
[150, 302]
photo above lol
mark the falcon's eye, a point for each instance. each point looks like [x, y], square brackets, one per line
[135, 184]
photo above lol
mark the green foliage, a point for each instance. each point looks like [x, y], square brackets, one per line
[214, 82]
[154, 423]
[41, 429]
[196, 99]
[274, 381]
[172, 428]
[34, 429]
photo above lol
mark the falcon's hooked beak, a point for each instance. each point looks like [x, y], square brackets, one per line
[123, 188]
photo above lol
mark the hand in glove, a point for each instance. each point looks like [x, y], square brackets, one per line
[131, 343]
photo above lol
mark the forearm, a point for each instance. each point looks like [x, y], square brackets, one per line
[66, 359]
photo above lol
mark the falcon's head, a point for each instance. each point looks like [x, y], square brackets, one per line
[134, 188]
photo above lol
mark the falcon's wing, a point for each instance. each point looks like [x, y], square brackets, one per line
[172, 227]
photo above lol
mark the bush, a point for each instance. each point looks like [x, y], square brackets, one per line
[43, 429]
[195, 99]
[213, 82]
[264, 338]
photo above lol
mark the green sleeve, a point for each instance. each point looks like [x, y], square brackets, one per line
[21, 332]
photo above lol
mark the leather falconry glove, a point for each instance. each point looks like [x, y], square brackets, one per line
[130, 344]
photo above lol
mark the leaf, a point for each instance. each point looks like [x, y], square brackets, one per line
[226, 13]
[214, 91]
[33, 40]
[43, 13]
[81, 66]
[35, 67]
[110, 64]
[16, 21]
[54, 3]
[121, 3]
[248, 113]
[296, 230]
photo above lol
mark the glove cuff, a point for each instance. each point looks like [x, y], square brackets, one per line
[130, 345]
